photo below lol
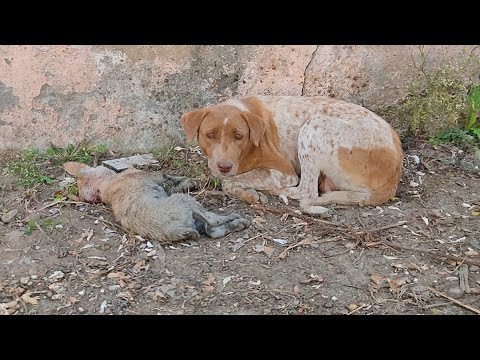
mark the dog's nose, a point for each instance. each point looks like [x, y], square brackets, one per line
[224, 166]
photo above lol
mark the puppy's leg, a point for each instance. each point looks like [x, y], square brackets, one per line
[215, 225]
[212, 219]
[222, 230]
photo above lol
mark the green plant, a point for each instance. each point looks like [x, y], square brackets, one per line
[27, 171]
[33, 165]
[473, 110]
[31, 225]
[79, 153]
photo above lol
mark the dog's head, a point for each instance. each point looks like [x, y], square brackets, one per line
[225, 134]
[90, 181]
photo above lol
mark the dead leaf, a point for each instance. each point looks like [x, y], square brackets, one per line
[268, 250]
[115, 275]
[210, 280]
[313, 278]
[471, 252]
[377, 279]
[208, 288]
[390, 257]
[296, 289]
[352, 307]
[265, 249]
[395, 283]
[258, 221]
[72, 299]
[226, 280]
[139, 265]
[28, 299]
[475, 213]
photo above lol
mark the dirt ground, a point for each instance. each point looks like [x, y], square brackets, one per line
[417, 254]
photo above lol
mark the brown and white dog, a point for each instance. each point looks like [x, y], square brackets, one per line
[301, 147]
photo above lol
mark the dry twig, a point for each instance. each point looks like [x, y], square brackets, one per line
[471, 308]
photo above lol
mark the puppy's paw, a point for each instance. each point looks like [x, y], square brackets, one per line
[186, 185]
[238, 224]
[190, 235]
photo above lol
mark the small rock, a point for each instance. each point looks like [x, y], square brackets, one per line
[474, 268]
[352, 307]
[263, 199]
[33, 277]
[24, 280]
[80, 309]
[455, 292]
[328, 304]
[81, 292]
[9, 216]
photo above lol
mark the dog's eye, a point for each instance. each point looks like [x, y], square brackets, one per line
[238, 136]
[211, 135]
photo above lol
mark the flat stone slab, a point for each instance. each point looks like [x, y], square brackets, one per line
[126, 162]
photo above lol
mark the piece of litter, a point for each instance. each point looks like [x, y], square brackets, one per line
[390, 257]
[284, 198]
[56, 275]
[103, 306]
[87, 246]
[226, 280]
[456, 241]
[280, 241]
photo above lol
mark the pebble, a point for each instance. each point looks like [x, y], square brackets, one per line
[328, 304]
[474, 268]
[455, 292]
[81, 292]
[9, 216]
[24, 280]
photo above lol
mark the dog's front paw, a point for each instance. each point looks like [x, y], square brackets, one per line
[259, 196]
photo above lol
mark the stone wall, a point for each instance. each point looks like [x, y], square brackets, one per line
[131, 97]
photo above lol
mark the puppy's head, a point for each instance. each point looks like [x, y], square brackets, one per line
[90, 181]
[225, 135]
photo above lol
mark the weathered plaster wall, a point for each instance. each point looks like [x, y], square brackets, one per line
[132, 97]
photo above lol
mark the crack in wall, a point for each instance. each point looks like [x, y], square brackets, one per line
[306, 68]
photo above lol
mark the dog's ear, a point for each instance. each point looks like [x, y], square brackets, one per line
[74, 168]
[191, 122]
[256, 124]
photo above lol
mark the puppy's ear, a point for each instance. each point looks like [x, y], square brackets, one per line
[191, 122]
[256, 124]
[74, 168]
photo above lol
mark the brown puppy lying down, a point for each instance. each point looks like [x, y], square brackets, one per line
[141, 205]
